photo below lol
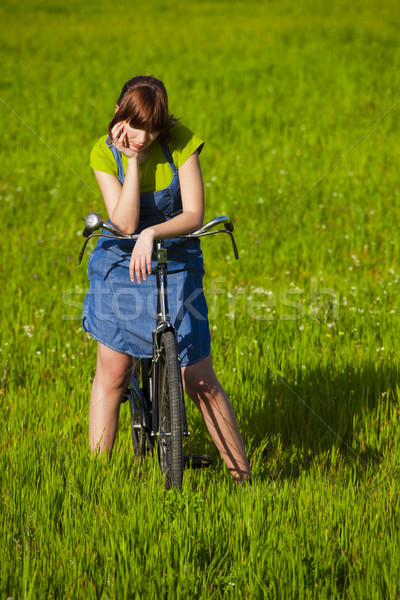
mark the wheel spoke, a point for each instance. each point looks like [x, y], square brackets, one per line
[142, 443]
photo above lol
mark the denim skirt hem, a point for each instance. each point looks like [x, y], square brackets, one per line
[184, 363]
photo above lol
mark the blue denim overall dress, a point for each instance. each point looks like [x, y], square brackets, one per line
[120, 313]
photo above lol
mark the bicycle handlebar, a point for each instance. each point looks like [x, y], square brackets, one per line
[93, 222]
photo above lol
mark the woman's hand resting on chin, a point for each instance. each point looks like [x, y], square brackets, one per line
[121, 142]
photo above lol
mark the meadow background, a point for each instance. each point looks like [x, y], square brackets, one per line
[299, 104]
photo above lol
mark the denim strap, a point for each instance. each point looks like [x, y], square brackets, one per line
[118, 159]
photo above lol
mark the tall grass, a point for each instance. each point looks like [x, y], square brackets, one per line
[299, 105]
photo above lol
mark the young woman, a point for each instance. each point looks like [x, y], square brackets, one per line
[148, 171]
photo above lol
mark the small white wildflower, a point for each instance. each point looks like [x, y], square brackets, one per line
[28, 330]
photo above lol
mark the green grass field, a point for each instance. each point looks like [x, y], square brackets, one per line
[299, 103]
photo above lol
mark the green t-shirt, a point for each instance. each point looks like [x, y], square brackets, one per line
[154, 173]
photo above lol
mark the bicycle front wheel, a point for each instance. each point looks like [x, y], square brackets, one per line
[170, 401]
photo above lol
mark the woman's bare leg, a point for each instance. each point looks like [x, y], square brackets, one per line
[113, 371]
[203, 387]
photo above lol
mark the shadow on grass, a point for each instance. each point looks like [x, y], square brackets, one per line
[324, 418]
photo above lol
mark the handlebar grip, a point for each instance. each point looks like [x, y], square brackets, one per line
[86, 232]
[229, 225]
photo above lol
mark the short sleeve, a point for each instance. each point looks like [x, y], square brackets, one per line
[183, 143]
[102, 159]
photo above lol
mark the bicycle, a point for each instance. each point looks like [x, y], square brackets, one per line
[155, 396]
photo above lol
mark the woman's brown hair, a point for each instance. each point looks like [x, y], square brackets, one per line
[143, 104]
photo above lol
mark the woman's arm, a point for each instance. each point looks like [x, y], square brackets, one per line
[122, 202]
[191, 218]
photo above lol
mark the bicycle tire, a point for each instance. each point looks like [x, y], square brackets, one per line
[170, 401]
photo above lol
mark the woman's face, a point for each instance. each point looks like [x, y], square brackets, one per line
[138, 139]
